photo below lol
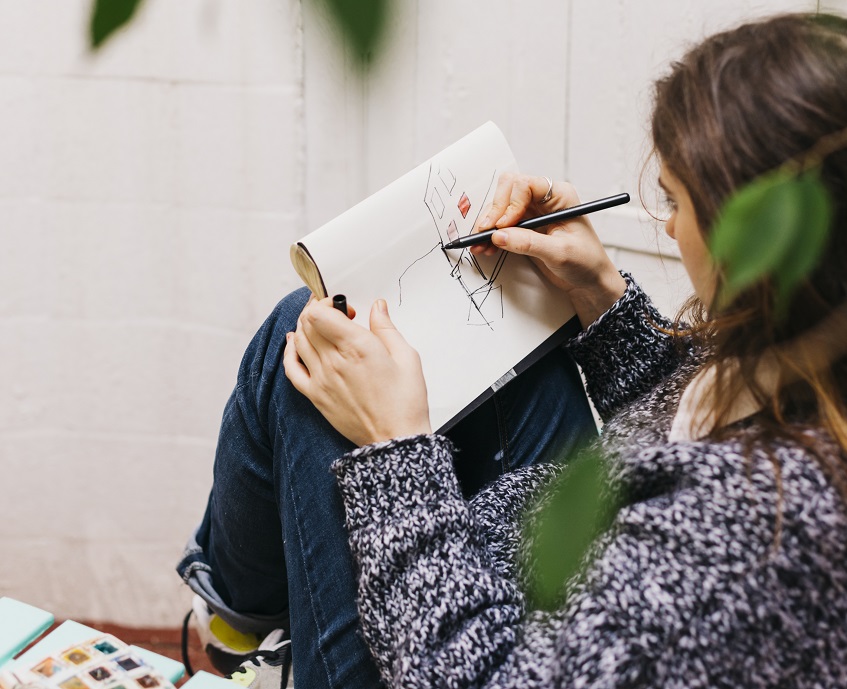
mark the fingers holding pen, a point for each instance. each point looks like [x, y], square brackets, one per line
[368, 383]
[306, 350]
[517, 196]
[511, 198]
[295, 370]
[315, 344]
[325, 327]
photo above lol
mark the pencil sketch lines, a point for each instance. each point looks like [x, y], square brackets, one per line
[400, 279]
[450, 211]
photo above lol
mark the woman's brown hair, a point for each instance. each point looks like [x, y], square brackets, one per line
[735, 107]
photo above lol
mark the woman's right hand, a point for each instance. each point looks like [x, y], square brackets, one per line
[569, 254]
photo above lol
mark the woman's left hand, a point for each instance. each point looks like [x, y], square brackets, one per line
[367, 383]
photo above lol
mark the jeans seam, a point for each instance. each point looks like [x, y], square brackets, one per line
[301, 549]
[505, 460]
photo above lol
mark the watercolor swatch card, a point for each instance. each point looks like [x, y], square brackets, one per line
[102, 662]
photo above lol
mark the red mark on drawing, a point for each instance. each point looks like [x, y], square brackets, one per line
[452, 231]
[464, 205]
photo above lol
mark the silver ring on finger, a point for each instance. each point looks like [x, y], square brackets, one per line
[549, 193]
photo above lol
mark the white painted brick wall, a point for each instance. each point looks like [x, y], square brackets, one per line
[148, 196]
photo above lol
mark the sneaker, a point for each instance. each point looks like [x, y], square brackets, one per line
[226, 647]
[268, 667]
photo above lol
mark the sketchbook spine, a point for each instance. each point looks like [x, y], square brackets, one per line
[307, 269]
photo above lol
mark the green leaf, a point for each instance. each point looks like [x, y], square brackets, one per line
[108, 16]
[576, 509]
[775, 227]
[362, 24]
[809, 240]
[753, 231]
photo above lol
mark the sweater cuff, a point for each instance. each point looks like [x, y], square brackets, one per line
[633, 300]
[402, 474]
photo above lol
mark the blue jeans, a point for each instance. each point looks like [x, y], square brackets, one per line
[272, 546]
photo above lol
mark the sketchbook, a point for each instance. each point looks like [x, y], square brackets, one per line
[476, 322]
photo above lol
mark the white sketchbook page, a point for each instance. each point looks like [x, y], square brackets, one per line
[472, 319]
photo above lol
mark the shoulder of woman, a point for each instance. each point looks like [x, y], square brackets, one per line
[723, 493]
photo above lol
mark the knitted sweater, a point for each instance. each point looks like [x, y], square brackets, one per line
[688, 589]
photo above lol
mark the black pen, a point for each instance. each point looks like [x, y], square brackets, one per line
[540, 221]
[339, 301]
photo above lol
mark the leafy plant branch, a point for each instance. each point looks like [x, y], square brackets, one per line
[777, 226]
[361, 23]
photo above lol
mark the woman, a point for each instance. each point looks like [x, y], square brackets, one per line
[727, 564]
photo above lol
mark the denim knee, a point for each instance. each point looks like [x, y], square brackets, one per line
[285, 314]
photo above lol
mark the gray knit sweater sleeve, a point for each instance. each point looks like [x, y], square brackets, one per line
[436, 609]
[623, 354]
[686, 591]
[428, 592]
